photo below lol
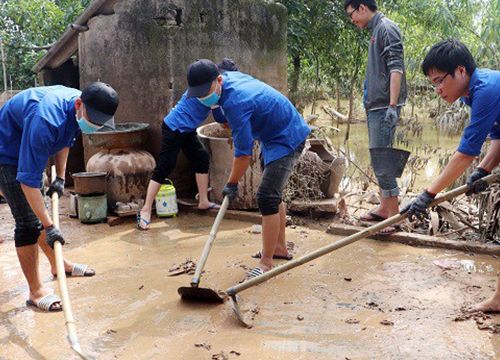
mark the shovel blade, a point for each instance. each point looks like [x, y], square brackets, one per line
[196, 294]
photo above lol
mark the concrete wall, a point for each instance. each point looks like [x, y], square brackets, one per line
[143, 50]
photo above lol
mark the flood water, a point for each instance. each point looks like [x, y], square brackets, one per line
[431, 140]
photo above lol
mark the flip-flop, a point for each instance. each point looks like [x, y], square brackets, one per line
[258, 255]
[370, 216]
[256, 271]
[391, 229]
[79, 270]
[212, 206]
[142, 224]
[46, 303]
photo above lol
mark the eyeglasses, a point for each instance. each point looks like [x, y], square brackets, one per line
[349, 14]
[438, 82]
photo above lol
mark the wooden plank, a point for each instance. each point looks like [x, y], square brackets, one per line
[246, 216]
[419, 240]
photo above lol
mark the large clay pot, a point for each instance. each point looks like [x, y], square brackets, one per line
[220, 146]
[128, 173]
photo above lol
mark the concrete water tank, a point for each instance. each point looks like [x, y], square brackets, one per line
[219, 144]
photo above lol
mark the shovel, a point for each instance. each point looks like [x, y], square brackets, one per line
[194, 292]
[61, 279]
[232, 292]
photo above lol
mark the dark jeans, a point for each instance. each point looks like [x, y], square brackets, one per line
[28, 226]
[174, 141]
[274, 179]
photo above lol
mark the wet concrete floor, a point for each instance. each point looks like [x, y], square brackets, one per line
[332, 308]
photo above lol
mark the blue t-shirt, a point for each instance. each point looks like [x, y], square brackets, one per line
[484, 100]
[34, 125]
[186, 115]
[256, 111]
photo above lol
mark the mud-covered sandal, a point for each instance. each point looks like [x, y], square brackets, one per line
[46, 303]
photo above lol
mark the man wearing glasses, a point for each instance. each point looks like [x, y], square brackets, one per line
[452, 70]
[385, 93]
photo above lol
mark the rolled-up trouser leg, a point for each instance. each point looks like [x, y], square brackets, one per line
[274, 179]
[28, 226]
[381, 134]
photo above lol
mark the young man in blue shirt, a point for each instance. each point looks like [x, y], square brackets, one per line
[36, 124]
[179, 133]
[452, 70]
[255, 111]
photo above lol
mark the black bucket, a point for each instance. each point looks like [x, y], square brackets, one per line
[388, 162]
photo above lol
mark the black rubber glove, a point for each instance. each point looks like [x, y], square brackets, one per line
[56, 186]
[231, 191]
[52, 235]
[474, 182]
[418, 207]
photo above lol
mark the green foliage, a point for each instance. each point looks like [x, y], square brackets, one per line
[26, 25]
[319, 34]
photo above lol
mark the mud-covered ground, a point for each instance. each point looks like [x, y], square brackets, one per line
[369, 300]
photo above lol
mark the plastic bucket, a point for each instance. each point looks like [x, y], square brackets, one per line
[388, 162]
[166, 200]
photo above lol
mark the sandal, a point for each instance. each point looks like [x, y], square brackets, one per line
[258, 255]
[257, 271]
[142, 224]
[391, 229]
[79, 270]
[212, 206]
[371, 216]
[46, 303]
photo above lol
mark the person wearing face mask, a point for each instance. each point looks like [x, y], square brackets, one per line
[179, 133]
[451, 69]
[36, 124]
[255, 111]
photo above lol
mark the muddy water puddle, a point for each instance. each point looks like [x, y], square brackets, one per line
[368, 300]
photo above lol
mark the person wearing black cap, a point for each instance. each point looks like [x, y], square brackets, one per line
[179, 132]
[36, 124]
[255, 111]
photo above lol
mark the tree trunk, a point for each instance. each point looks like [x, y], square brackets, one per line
[337, 90]
[315, 94]
[354, 77]
[294, 79]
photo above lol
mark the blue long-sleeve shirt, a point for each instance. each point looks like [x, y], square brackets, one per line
[34, 125]
[256, 111]
[484, 100]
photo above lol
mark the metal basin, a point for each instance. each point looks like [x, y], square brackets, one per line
[88, 183]
[125, 136]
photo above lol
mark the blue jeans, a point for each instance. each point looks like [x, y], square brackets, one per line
[274, 179]
[28, 226]
[381, 134]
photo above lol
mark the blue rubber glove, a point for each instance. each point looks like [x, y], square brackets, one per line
[418, 207]
[52, 235]
[56, 186]
[474, 182]
[231, 191]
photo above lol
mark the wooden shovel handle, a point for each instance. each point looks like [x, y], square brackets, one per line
[61, 273]
[348, 240]
[208, 244]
